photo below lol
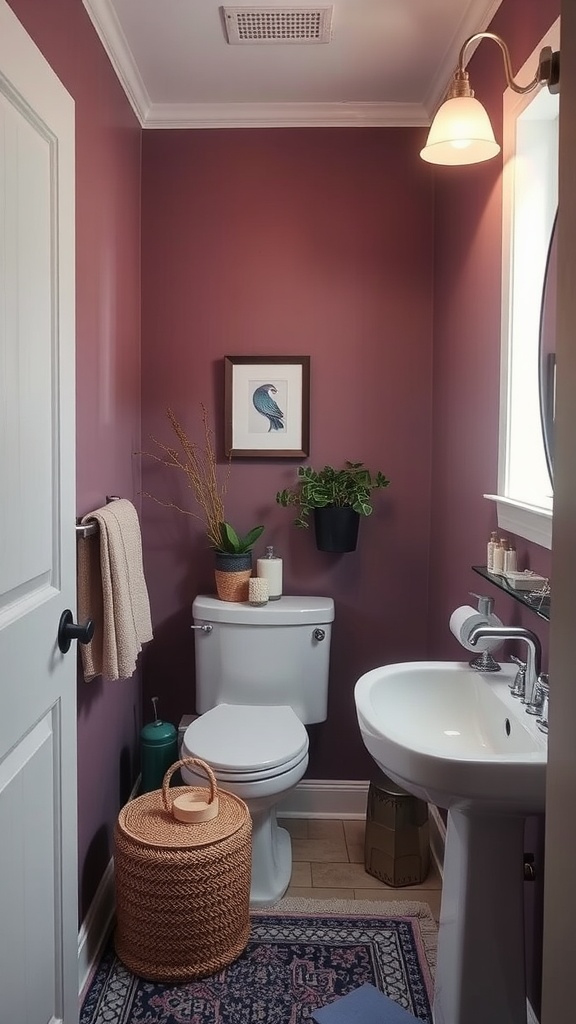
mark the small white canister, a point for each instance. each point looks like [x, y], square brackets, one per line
[257, 590]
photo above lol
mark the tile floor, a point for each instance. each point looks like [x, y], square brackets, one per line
[328, 863]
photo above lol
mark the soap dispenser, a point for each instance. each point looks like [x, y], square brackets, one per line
[270, 568]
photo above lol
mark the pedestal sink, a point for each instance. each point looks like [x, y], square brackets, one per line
[457, 738]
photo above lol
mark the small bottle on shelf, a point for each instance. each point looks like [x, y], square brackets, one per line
[510, 560]
[490, 551]
[498, 563]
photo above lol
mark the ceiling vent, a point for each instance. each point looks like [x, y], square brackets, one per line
[278, 24]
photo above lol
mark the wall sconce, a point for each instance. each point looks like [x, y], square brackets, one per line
[461, 132]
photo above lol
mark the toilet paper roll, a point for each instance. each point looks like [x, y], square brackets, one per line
[463, 620]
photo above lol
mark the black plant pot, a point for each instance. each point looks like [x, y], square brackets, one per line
[336, 528]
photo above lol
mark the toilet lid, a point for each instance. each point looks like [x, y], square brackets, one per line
[247, 738]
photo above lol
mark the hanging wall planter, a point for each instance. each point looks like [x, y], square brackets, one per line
[337, 497]
[336, 528]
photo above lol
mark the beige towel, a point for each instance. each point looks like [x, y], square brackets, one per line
[112, 591]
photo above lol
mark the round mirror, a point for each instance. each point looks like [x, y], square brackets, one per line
[547, 360]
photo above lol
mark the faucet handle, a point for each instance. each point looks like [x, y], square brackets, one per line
[544, 689]
[518, 687]
[540, 698]
[518, 661]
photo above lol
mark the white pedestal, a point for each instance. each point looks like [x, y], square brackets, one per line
[271, 859]
[480, 977]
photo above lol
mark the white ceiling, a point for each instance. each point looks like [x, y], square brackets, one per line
[388, 63]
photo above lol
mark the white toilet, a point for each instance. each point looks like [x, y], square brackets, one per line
[261, 676]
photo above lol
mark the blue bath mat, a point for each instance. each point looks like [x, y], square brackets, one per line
[302, 955]
[365, 1005]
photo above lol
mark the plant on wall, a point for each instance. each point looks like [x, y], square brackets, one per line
[337, 497]
[349, 487]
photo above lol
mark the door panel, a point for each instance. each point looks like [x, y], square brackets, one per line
[27, 354]
[38, 837]
[27, 805]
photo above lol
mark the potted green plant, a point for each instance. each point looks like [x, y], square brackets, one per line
[337, 497]
[232, 551]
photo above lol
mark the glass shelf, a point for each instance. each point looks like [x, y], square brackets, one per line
[538, 604]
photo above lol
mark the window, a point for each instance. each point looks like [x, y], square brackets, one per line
[530, 198]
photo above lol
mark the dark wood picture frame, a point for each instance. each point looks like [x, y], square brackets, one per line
[267, 407]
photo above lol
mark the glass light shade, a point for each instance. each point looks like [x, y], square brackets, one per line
[460, 133]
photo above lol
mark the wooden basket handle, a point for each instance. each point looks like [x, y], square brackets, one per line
[182, 801]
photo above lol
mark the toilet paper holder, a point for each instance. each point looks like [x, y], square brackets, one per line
[464, 620]
[484, 662]
[485, 604]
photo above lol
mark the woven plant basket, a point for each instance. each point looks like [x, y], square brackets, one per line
[232, 586]
[182, 886]
[232, 571]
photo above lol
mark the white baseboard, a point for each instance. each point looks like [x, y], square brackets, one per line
[98, 921]
[95, 927]
[319, 798]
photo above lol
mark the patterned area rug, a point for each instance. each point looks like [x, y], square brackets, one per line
[302, 954]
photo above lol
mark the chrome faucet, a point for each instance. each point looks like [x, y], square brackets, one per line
[533, 653]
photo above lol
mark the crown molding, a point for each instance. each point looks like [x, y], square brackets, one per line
[277, 115]
[109, 31]
[285, 115]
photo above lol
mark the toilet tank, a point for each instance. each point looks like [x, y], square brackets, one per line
[277, 653]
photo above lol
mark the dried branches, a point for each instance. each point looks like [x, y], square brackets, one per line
[198, 463]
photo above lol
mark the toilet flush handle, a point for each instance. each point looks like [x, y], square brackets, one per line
[206, 627]
[319, 634]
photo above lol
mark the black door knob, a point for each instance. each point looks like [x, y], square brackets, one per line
[68, 630]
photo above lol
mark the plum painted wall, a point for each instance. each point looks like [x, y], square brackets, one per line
[108, 150]
[268, 242]
[466, 375]
[467, 295]
[336, 243]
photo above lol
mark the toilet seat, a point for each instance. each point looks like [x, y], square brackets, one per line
[247, 742]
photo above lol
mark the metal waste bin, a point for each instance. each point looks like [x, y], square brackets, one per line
[397, 838]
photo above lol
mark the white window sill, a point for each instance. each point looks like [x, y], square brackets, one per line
[532, 522]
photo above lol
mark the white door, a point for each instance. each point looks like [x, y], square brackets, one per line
[38, 841]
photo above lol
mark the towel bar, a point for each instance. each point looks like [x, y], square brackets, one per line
[89, 529]
[86, 529]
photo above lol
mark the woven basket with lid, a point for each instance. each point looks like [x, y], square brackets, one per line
[182, 886]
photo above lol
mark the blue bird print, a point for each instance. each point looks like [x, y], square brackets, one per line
[266, 406]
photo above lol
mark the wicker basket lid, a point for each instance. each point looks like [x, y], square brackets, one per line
[150, 819]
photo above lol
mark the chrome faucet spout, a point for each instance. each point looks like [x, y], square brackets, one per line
[533, 653]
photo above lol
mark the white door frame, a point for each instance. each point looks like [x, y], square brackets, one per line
[559, 888]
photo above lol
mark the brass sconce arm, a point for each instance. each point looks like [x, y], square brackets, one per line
[548, 71]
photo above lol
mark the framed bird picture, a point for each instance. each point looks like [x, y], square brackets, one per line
[267, 406]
